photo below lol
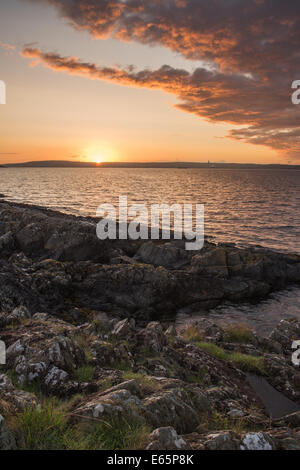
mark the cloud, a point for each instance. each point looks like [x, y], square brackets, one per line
[251, 47]
[9, 48]
[215, 96]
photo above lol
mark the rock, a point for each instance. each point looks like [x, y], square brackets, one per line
[124, 328]
[173, 408]
[292, 419]
[114, 403]
[17, 316]
[7, 439]
[152, 337]
[43, 355]
[171, 331]
[212, 261]
[235, 413]
[31, 238]
[166, 439]
[17, 400]
[221, 441]
[7, 243]
[167, 255]
[285, 333]
[257, 441]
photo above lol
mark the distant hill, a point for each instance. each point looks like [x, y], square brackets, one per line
[179, 165]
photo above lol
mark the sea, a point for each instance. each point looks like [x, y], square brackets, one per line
[242, 206]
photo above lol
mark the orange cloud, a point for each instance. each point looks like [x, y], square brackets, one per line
[262, 106]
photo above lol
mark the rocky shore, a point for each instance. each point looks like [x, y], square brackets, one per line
[55, 263]
[91, 357]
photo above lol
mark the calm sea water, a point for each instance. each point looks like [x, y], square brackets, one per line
[258, 207]
[241, 206]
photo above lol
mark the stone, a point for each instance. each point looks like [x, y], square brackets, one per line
[257, 441]
[221, 441]
[166, 438]
[124, 328]
[292, 419]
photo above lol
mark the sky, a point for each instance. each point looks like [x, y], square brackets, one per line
[150, 80]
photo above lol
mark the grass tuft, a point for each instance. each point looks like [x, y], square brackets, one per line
[238, 333]
[245, 362]
[48, 428]
[193, 334]
[84, 374]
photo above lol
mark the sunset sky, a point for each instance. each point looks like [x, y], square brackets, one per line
[150, 80]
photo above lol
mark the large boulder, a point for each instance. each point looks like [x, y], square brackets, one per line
[167, 255]
[166, 438]
[42, 354]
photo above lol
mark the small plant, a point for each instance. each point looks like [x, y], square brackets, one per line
[122, 365]
[193, 334]
[245, 362]
[238, 334]
[213, 350]
[42, 428]
[248, 363]
[104, 385]
[31, 387]
[147, 384]
[196, 379]
[84, 374]
[84, 341]
[117, 434]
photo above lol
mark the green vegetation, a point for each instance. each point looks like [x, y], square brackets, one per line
[193, 334]
[213, 350]
[32, 387]
[118, 434]
[245, 362]
[84, 341]
[196, 379]
[147, 384]
[248, 363]
[122, 365]
[48, 428]
[238, 334]
[216, 421]
[84, 374]
[43, 428]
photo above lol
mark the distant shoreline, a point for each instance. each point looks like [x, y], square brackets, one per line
[176, 165]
